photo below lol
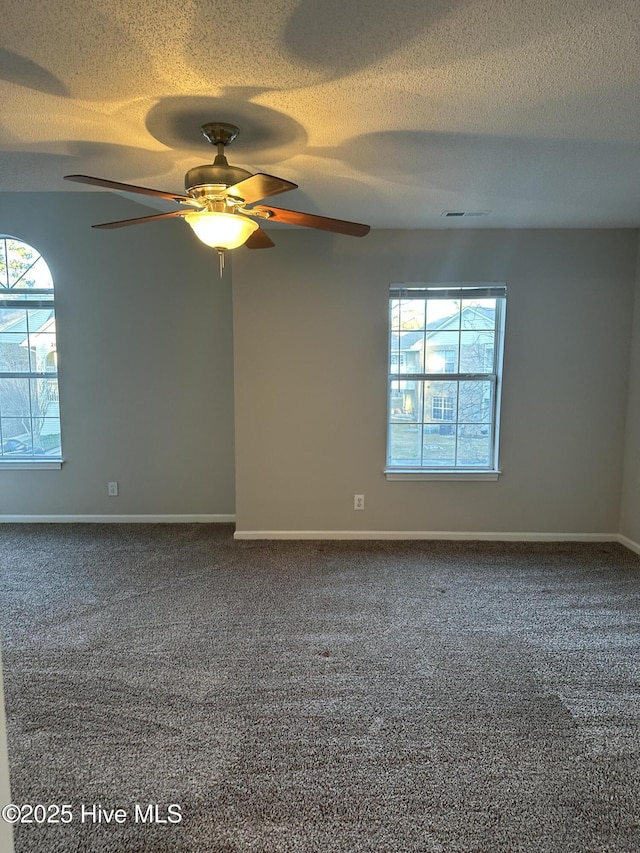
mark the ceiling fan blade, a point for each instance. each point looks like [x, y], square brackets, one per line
[310, 220]
[259, 186]
[259, 240]
[128, 188]
[140, 219]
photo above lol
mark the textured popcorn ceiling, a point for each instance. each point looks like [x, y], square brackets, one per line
[384, 112]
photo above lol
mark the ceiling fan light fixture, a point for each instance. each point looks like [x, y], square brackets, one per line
[221, 230]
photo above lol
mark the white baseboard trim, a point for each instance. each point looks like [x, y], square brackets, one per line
[629, 543]
[427, 535]
[117, 519]
[363, 535]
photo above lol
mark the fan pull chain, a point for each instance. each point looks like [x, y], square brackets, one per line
[221, 256]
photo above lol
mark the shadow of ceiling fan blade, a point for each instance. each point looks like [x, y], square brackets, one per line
[120, 162]
[485, 166]
[26, 167]
[266, 135]
[347, 36]
[30, 171]
[18, 69]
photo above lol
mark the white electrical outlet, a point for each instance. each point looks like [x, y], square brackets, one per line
[358, 501]
[112, 490]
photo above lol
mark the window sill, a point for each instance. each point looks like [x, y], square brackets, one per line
[461, 475]
[35, 465]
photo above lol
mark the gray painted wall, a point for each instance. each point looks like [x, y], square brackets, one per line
[310, 340]
[145, 360]
[146, 354]
[630, 510]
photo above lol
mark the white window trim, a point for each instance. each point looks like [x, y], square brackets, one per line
[460, 474]
[456, 290]
[33, 297]
[10, 465]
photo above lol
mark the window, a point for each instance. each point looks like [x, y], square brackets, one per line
[398, 359]
[29, 407]
[442, 409]
[445, 365]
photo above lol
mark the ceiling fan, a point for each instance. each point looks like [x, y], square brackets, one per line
[215, 205]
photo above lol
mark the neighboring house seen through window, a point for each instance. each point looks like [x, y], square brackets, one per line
[445, 371]
[29, 406]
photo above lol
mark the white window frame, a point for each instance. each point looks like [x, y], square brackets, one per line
[422, 291]
[29, 298]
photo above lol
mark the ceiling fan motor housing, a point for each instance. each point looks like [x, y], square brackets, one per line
[217, 174]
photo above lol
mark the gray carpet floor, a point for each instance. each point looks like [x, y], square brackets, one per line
[419, 697]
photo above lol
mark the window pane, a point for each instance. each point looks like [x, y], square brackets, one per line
[16, 437]
[442, 352]
[48, 440]
[14, 353]
[407, 314]
[404, 444]
[406, 350]
[478, 313]
[413, 348]
[394, 313]
[9, 316]
[476, 352]
[440, 402]
[14, 322]
[405, 401]
[396, 357]
[40, 320]
[50, 387]
[41, 390]
[439, 446]
[475, 403]
[41, 344]
[412, 314]
[22, 266]
[474, 445]
[440, 309]
[15, 400]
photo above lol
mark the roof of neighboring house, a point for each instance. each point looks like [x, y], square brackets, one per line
[37, 320]
[412, 338]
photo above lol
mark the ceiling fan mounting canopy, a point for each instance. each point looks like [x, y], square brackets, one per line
[220, 132]
[225, 190]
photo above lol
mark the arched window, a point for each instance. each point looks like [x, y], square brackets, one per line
[29, 407]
